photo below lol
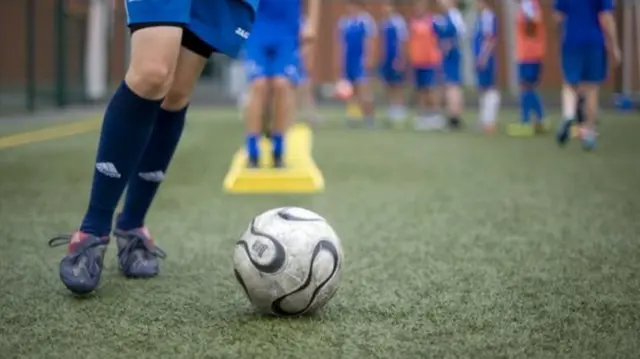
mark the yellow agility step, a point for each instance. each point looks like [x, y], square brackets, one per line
[301, 174]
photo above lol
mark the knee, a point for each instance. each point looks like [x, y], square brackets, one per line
[176, 99]
[259, 88]
[152, 80]
[281, 85]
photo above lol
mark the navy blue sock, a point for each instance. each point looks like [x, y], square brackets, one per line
[128, 122]
[154, 163]
[253, 146]
[278, 144]
[536, 105]
[525, 106]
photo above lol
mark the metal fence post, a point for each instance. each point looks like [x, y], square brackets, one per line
[30, 68]
[60, 43]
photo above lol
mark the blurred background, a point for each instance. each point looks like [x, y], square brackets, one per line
[458, 245]
[57, 53]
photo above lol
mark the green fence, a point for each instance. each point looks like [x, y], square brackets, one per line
[41, 63]
[42, 49]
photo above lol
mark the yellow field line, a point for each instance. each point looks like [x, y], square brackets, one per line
[49, 133]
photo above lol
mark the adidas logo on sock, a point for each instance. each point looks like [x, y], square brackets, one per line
[156, 176]
[108, 169]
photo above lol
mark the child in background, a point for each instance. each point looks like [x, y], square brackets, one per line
[393, 31]
[589, 30]
[530, 49]
[306, 97]
[451, 28]
[426, 59]
[356, 39]
[484, 43]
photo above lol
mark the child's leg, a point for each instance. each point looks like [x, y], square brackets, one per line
[307, 101]
[536, 102]
[573, 67]
[490, 110]
[569, 102]
[364, 95]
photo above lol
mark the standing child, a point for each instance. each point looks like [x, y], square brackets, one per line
[589, 30]
[306, 98]
[426, 60]
[531, 48]
[357, 35]
[484, 44]
[451, 29]
[393, 31]
[272, 63]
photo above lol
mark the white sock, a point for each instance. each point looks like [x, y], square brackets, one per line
[489, 107]
[569, 103]
[483, 108]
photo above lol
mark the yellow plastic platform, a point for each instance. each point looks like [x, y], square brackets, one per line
[354, 112]
[300, 176]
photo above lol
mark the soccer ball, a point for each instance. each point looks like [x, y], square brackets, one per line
[289, 261]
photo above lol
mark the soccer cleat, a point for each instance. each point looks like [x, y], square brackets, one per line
[137, 254]
[564, 132]
[455, 123]
[588, 139]
[278, 162]
[81, 268]
[253, 163]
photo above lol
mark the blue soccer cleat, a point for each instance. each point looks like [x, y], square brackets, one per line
[278, 162]
[589, 140]
[137, 254]
[81, 268]
[564, 132]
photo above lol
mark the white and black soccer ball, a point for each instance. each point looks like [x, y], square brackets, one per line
[289, 261]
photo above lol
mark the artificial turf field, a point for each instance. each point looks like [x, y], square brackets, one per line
[456, 246]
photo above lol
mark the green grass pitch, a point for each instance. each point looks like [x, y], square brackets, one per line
[456, 246]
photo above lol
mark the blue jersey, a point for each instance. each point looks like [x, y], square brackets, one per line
[278, 20]
[581, 26]
[223, 25]
[450, 28]
[486, 28]
[354, 32]
[394, 33]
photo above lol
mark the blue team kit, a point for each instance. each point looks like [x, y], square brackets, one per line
[394, 33]
[486, 28]
[223, 24]
[355, 31]
[449, 31]
[273, 50]
[584, 55]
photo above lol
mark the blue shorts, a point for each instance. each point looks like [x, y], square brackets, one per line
[530, 72]
[271, 59]
[451, 69]
[425, 78]
[584, 64]
[354, 73]
[223, 24]
[390, 75]
[486, 77]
